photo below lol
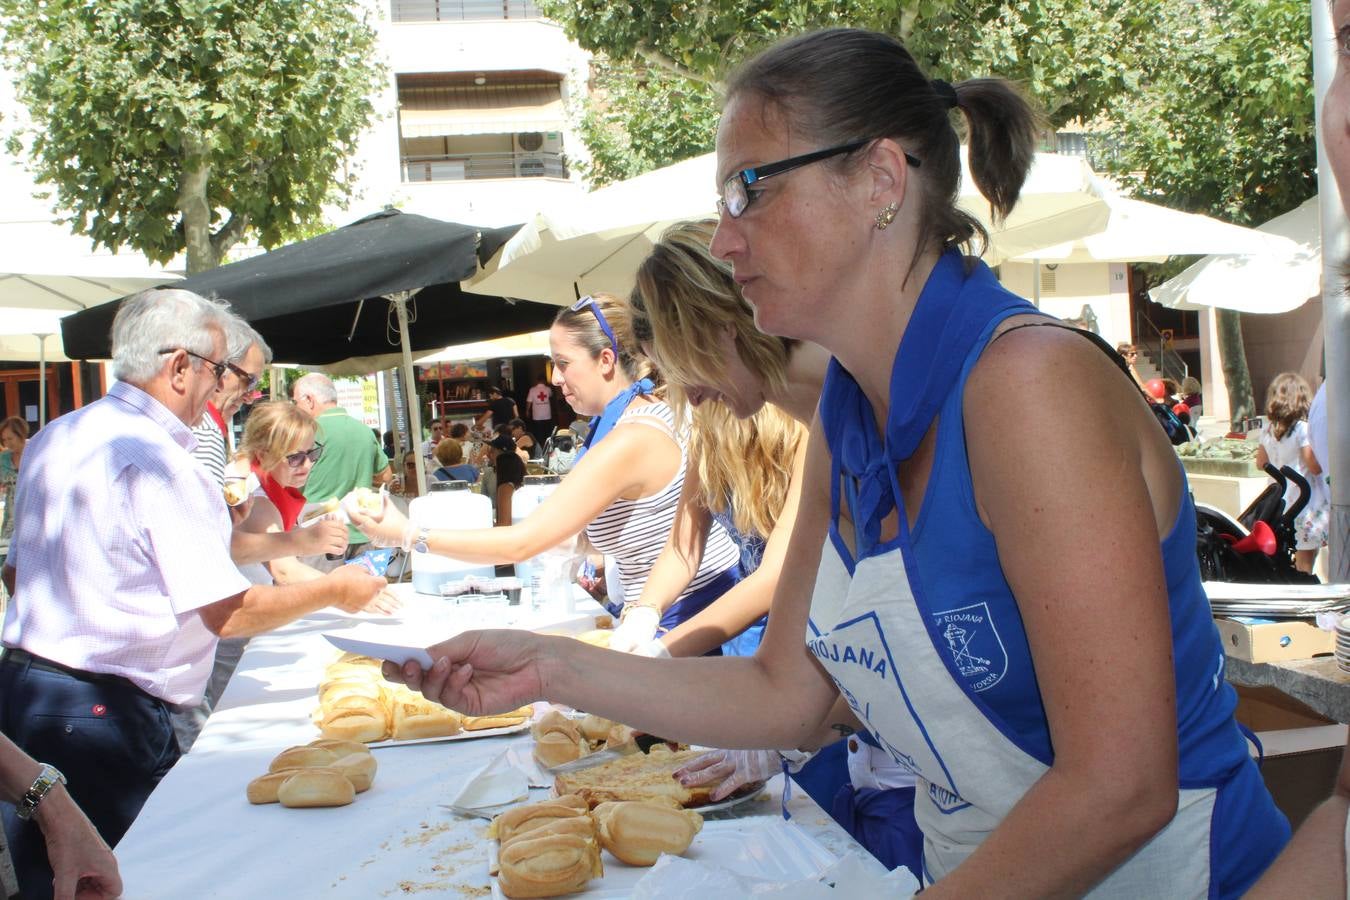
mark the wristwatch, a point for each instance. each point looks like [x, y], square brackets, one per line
[42, 785]
[420, 541]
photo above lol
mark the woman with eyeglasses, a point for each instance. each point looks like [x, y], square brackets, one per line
[625, 485]
[1019, 622]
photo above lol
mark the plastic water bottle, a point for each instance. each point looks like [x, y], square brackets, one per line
[448, 504]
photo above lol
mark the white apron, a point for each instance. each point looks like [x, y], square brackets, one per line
[868, 634]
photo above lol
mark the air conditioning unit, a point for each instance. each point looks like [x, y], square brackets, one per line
[536, 152]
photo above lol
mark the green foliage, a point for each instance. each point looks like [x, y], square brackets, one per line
[152, 117]
[646, 118]
[1223, 123]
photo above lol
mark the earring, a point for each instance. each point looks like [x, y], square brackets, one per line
[887, 216]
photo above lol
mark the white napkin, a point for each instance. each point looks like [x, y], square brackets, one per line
[499, 783]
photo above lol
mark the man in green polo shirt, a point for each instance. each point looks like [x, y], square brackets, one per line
[352, 457]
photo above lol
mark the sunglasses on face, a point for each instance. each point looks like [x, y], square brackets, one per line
[248, 381]
[589, 302]
[217, 368]
[297, 459]
[736, 193]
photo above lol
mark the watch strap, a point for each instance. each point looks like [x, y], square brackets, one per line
[47, 779]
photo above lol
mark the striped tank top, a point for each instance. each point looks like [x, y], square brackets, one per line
[635, 531]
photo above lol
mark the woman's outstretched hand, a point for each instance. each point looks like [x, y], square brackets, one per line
[479, 672]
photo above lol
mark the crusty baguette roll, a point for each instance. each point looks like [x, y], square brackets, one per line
[556, 748]
[548, 866]
[621, 738]
[564, 807]
[263, 789]
[581, 826]
[638, 832]
[424, 721]
[359, 769]
[301, 757]
[316, 787]
[340, 748]
[354, 725]
[594, 728]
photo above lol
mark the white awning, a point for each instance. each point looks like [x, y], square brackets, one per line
[469, 109]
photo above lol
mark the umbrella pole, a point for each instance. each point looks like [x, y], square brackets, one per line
[400, 302]
[42, 379]
[1036, 283]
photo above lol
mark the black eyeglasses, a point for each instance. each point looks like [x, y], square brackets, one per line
[249, 381]
[217, 368]
[297, 459]
[589, 302]
[737, 196]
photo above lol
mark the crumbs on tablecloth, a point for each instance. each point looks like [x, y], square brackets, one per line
[469, 890]
[420, 887]
[427, 832]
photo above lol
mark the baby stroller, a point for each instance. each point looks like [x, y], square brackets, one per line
[560, 451]
[1257, 547]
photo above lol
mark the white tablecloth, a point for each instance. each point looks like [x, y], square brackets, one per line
[198, 837]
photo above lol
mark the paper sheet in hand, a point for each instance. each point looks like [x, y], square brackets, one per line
[396, 643]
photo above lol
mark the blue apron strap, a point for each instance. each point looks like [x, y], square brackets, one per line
[1251, 736]
[787, 788]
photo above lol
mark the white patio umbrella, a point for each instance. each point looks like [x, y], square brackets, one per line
[1256, 283]
[1138, 231]
[534, 343]
[597, 243]
[45, 273]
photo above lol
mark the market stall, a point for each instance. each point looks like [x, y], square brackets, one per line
[199, 837]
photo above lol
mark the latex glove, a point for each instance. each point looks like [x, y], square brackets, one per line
[389, 529]
[733, 768]
[655, 648]
[636, 628]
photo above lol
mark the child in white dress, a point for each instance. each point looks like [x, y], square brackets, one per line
[1284, 442]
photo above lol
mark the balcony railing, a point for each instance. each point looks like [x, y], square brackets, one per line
[461, 10]
[466, 166]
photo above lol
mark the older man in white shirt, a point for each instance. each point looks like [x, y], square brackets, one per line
[121, 576]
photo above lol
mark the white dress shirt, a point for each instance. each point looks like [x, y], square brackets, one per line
[121, 538]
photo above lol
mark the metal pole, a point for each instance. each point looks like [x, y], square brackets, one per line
[42, 380]
[1335, 308]
[400, 302]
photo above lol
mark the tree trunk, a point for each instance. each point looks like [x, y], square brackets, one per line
[1233, 357]
[194, 207]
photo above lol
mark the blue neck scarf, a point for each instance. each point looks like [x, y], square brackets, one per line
[953, 310]
[613, 409]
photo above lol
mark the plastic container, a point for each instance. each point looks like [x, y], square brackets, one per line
[523, 503]
[448, 504]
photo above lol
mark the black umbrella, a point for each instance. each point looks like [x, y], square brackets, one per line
[321, 301]
[351, 294]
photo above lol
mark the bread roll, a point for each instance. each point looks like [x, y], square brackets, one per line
[236, 491]
[594, 728]
[316, 787]
[638, 832]
[598, 638]
[301, 757]
[355, 725]
[556, 748]
[581, 826]
[510, 822]
[359, 769]
[340, 748]
[263, 789]
[503, 720]
[423, 719]
[548, 866]
[621, 738]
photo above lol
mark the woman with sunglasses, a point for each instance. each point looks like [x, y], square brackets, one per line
[1019, 622]
[625, 486]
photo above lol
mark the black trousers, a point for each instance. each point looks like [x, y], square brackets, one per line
[112, 741]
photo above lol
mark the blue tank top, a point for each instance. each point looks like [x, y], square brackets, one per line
[973, 605]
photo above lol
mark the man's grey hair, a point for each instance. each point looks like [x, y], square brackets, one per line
[158, 319]
[243, 336]
[316, 385]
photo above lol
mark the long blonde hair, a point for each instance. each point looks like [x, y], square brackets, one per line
[745, 465]
[273, 428]
[684, 300]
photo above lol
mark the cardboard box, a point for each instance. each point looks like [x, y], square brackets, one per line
[1302, 749]
[1272, 640]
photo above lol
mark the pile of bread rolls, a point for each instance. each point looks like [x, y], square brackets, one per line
[552, 848]
[559, 739]
[322, 773]
[357, 704]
